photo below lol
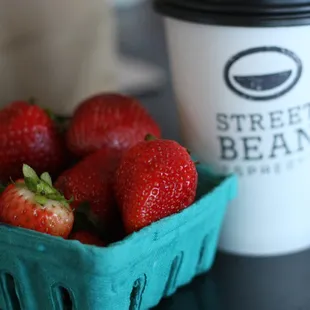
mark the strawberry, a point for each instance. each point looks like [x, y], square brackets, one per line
[156, 178]
[91, 181]
[28, 135]
[87, 237]
[109, 120]
[35, 204]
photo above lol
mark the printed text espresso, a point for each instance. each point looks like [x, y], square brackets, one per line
[260, 138]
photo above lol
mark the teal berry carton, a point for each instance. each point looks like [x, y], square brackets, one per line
[38, 271]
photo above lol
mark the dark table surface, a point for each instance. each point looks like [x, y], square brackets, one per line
[234, 283]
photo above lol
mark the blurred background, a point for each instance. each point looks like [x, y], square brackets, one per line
[142, 48]
[61, 52]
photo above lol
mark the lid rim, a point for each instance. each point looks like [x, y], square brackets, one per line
[249, 16]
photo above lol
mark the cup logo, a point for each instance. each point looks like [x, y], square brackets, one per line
[263, 73]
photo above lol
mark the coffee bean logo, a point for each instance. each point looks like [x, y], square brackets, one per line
[263, 73]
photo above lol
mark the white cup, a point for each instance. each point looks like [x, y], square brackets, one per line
[243, 97]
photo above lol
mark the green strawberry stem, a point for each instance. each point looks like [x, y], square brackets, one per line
[61, 122]
[32, 100]
[42, 187]
[150, 137]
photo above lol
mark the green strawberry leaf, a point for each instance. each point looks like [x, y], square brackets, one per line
[47, 178]
[70, 200]
[61, 122]
[29, 173]
[44, 188]
[40, 199]
[31, 184]
[54, 196]
[50, 114]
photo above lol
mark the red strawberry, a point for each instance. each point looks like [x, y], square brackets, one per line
[35, 204]
[91, 181]
[109, 120]
[87, 237]
[155, 179]
[28, 135]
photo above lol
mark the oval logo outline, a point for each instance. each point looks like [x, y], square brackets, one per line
[255, 50]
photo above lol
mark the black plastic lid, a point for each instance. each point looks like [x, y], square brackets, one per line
[248, 13]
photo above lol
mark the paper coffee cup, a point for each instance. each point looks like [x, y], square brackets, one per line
[241, 76]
